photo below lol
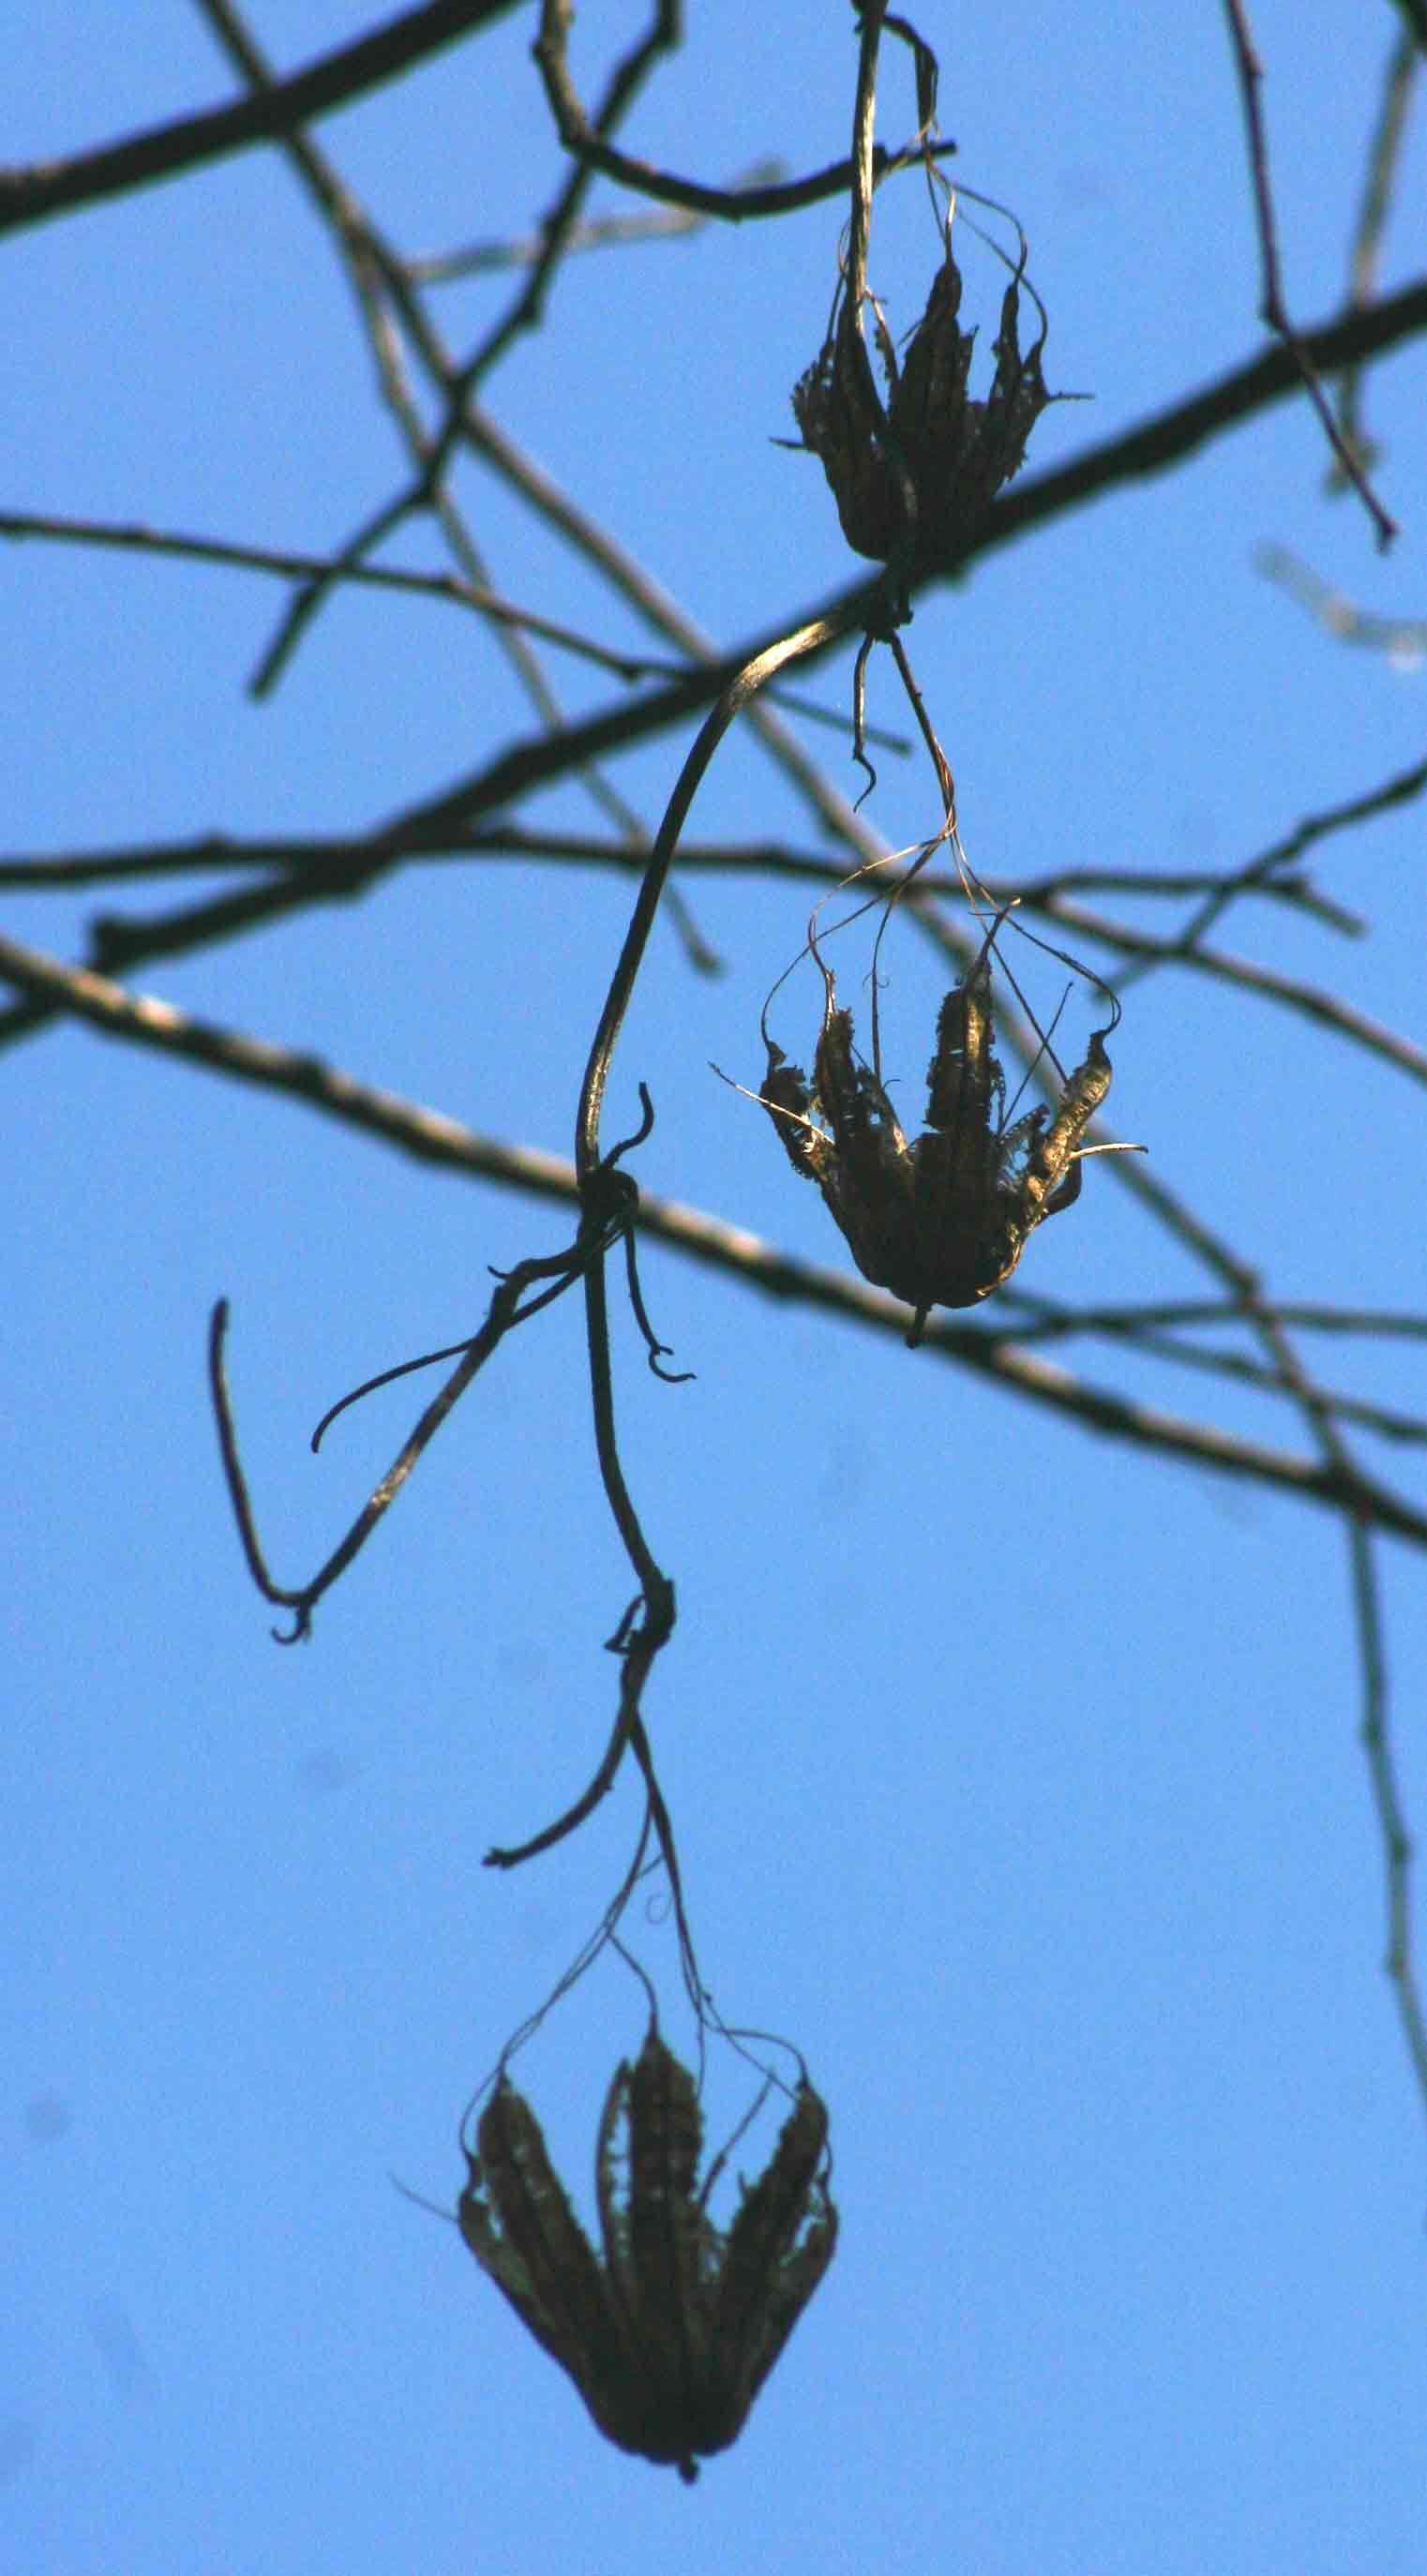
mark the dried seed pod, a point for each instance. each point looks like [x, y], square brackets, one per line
[670, 2338]
[923, 473]
[942, 1221]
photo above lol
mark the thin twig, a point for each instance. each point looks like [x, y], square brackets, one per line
[1375, 1729]
[1038, 1319]
[1383, 157]
[511, 1855]
[363, 248]
[1403, 789]
[1308, 1000]
[1353, 1488]
[134, 537]
[623, 88]
[1272, 306]
[729, 205]
[1387, 1799]
[506, 1310]
[371, 269]
[336, 854]
[596, 232]
[1141, 1332]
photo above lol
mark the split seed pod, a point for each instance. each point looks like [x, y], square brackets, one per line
[925, 472]
[943, 1221]
[671, 2336]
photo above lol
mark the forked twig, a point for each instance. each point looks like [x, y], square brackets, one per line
[607, 1211]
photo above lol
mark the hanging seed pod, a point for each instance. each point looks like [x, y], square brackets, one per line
[942, 1221]
[670, 2338]
[922, 471]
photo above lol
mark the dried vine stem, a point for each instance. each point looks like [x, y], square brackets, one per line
[608, 1201]
[606, 1211]
[740, 690]
[896, 589]
[648, 1624]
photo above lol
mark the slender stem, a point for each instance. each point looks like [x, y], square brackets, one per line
[649, 1629]
[1273, 308]
[736, 695]
[863, 123]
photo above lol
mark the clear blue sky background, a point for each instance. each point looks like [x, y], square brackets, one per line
[1017, 1773]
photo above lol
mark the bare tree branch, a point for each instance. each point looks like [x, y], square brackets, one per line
[334, 854]
[432, 1138]
[538, 760]
[31, 196]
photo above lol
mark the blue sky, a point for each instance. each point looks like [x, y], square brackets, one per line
[1016, 1772]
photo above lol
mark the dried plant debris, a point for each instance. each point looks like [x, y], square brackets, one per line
[921, 473]
[670, 2338]
[944, 1221]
